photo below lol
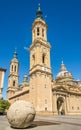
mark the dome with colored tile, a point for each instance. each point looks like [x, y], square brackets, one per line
[64, 74]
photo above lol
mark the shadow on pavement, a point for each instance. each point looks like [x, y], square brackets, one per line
[35, 124]
[42, 123]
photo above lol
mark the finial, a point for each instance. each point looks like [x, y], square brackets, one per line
[15, 49]
[15, 53]
[39, 12]
[39, 6]
[62, 62]
[63, 67]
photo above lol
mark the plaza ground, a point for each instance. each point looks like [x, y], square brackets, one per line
[48, 123]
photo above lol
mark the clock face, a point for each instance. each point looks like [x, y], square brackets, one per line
[44, 68]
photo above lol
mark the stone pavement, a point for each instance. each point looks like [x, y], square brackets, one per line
[48, 123]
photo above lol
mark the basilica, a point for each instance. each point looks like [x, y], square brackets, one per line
[60, 96]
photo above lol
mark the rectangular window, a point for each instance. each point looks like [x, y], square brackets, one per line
[45, 101]
[72, 108]
[45, 108]
[37, 31]
[77, 108]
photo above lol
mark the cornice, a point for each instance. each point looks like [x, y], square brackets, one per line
[38, 42]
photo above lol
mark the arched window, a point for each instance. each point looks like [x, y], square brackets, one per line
[38, 31]
[12, 67]
[13, 83]
[15, 68]
[43, 58]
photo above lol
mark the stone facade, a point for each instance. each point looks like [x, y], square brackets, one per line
[66, 93]
[49, 96]
[2, 73]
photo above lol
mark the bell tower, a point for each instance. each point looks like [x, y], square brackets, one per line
[40, 69]
[40, 48]
[39, 27]
[13, 76]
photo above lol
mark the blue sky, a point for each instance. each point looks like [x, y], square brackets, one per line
[64, 34]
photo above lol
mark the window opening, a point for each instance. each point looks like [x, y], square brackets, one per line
[12, 67]
[38, 31]
[15, 68]
[13, 83]
[78, 108]
[43, 58]
[72, 107]
[33, 57]
[43, 32]
[45, 108]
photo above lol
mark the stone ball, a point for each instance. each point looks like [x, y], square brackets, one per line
[21, 114]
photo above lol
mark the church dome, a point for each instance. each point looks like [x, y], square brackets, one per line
[64, 74]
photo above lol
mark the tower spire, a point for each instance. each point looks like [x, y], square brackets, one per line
[39, 12]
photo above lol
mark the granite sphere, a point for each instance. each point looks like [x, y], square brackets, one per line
[21, 114]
